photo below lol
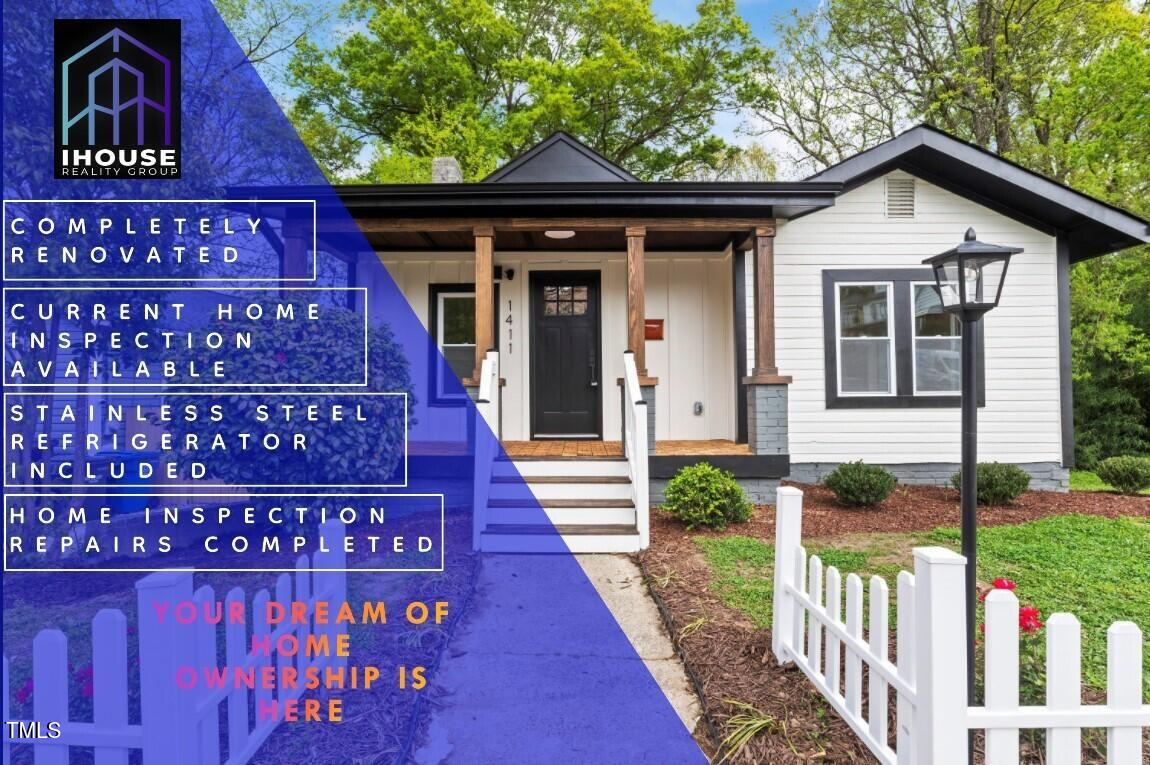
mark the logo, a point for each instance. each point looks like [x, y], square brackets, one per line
[117, 98]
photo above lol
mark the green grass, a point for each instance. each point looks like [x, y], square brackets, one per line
[744, 568]
[744, 571]
[1095, 568]
[1085, 480]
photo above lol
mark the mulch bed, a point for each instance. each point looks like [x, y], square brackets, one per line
[730, 658]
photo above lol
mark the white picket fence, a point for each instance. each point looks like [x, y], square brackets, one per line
[928, 674]
[180, 727]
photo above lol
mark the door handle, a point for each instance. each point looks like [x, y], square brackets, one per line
[594, 376]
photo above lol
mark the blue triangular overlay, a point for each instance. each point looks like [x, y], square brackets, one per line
[531, 666]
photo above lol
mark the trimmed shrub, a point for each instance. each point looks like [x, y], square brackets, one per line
[860, 485]
[1128, 475]
[998, 483]
[703, 495]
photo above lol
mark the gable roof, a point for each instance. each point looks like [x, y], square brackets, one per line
[1091, 227]
[559, 158]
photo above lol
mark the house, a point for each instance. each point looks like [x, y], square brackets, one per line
[772, 329]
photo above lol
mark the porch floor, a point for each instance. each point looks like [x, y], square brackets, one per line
[608, 449]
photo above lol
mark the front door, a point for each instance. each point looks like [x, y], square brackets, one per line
[566, 400]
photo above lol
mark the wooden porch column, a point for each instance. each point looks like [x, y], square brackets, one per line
[636, 302]
[766, 368]
[296, 245]
[484, 297]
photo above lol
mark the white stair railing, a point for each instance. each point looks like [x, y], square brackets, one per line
[487, 405]
[635, 446]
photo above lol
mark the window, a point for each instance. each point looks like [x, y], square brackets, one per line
[452, 325]
[455, 334]
[887, 341]
[937, 344]
[865, 355]
[564, 301]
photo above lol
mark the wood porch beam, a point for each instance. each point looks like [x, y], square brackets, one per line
[408, 225]
[484, 295]
[766, 370]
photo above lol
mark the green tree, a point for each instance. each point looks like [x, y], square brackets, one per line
[1061, 87]
[994, 72]
[483, 80]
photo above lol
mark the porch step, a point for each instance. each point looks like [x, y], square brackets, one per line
[562, 529]
[575, 468]
[560, 505]
[562, 516]
[561, 458]
[600, 538]
[561, 479]
[548, 503]
[561, 487]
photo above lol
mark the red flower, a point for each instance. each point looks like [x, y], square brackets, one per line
[281, 357]
[1029, 619]
[998, 584]
[25, 692]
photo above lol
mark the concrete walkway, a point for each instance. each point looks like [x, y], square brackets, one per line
[500, 633]
[620, 583]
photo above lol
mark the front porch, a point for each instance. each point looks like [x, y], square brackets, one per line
[566, 449]
[610, 331]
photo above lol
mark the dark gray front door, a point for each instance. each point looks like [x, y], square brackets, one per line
[566, 398]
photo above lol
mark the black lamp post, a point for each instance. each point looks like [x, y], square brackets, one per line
[969, 279]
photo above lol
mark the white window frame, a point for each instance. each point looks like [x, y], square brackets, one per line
[892, 369]
[439, 327]
[914, 349]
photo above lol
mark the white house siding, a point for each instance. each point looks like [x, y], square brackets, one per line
[1021, 420]
[691, 292]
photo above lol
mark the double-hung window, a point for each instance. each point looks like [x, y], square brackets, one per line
[865, 339]
[888, 342]
[452, 326]
[937, 344]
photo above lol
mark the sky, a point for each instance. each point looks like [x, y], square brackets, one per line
[760, 14]
[763, 16]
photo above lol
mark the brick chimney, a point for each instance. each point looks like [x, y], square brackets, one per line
[446, 170]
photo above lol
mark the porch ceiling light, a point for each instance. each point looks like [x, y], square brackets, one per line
[970, 276]
[560, 233]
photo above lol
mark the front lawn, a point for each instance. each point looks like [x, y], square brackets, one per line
[1085, 480]
[1094, 567]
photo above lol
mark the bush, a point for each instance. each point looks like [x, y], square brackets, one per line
[703, 495]
[997, 483]
[860, 485]
[1128, 475]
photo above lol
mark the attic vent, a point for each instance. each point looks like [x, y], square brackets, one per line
[900, 197]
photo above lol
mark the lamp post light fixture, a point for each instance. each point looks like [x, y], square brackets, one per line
[969, 280]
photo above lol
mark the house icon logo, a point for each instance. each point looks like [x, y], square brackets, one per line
[117, 98]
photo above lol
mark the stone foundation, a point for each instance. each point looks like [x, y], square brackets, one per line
[649, 397]
[1044, 476]
[767, 419]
